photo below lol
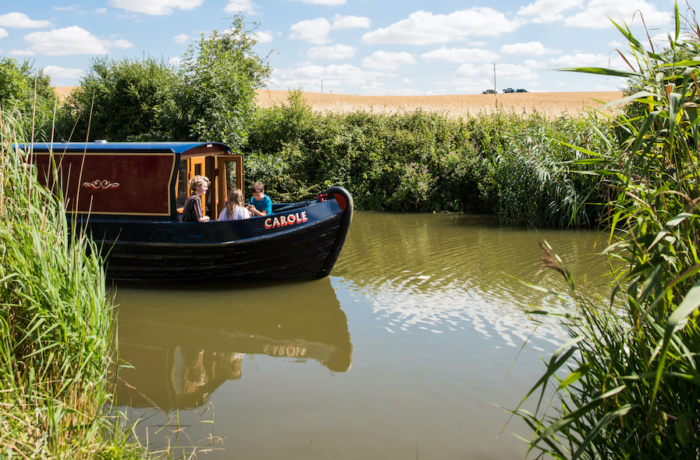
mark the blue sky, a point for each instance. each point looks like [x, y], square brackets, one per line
[407, 47]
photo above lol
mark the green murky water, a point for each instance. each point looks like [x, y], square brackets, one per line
[404, 352]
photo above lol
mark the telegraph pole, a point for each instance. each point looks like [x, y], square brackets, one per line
[494, 78]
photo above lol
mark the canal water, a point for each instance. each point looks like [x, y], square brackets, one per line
[415, 347]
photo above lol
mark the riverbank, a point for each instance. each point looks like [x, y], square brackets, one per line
[56, 326]
[507, 164]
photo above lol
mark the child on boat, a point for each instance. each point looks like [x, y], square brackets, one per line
[192, 212]
[260, 205]
[235, 207]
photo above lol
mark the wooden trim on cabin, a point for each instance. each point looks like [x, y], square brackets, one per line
[222, 181]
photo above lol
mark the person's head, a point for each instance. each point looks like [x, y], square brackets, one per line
[258, 191]
[235, 198]
[199, 184]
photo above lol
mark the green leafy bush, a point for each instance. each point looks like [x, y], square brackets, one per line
[421, 161]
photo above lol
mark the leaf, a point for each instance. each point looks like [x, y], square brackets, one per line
[670, 225]
[575, 376]
[602, 71]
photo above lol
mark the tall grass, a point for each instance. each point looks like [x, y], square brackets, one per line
[633, 383]
[55, 323]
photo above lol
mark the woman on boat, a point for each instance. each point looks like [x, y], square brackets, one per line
[235, 207]
[192, 211]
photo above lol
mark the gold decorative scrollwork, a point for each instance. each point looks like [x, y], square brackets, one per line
[100, 184]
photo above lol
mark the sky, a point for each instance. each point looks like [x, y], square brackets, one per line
[364, 47]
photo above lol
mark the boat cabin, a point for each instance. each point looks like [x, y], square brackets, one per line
[132, 180]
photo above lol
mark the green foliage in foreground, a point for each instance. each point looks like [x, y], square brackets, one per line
[502, 163]
[55, 325]
[633, 387]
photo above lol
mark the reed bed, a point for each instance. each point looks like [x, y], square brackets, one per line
[626, 385]
[56, 324]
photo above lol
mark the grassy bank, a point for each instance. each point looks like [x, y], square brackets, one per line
[56, 324]
[502, 163]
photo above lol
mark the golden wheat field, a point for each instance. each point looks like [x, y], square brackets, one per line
[549, 104]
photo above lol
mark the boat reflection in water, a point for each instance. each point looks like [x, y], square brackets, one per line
[183, 347]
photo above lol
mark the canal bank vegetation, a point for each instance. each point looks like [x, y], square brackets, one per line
[627, 384]
[56, 324]
[508, 164]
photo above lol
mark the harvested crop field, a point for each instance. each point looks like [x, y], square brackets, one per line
[549, 104]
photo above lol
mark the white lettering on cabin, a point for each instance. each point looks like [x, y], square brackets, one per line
[283, 221]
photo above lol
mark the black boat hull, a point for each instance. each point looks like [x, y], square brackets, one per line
[306, 246]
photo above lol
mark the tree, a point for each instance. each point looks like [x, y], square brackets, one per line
[215, 95]
[17, 84]
[119, 99]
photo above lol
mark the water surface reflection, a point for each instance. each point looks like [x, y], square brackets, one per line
[182, 346]
[437, 319]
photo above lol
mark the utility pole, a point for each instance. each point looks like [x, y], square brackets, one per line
[494, 78]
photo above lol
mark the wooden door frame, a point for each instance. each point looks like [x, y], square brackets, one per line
[221, 179]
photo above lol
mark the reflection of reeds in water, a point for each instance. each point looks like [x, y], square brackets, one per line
[549, 104]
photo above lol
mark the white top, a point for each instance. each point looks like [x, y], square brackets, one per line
[239, 213]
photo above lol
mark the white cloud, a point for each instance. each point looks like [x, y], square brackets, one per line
[383, 60]
[21, 21]
[351, 22]
[69, 40]
[597, 13]
[63, 73]
[587, 60]
[155, 7]
[478, 43]
[325, 2]
[503, 71]
[124, 44]
[175, 61]
[312, 30]
[407, 81]
[546, 11]
[527, 49]
[460, 55]
[240, 6]
[331, 52]
[101, 11]
[332, 76]
[182, 38]
[263, 37]
[422, 28]
[22, 52]
[3, 33]
[65, 8]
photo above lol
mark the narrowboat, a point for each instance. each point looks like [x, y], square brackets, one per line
[130, 197]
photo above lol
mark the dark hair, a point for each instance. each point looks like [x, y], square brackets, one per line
[257, 187]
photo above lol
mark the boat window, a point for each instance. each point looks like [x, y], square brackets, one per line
[197, 169]
[182, 184]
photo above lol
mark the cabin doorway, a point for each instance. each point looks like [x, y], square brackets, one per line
[229, 175]
[189, 168]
